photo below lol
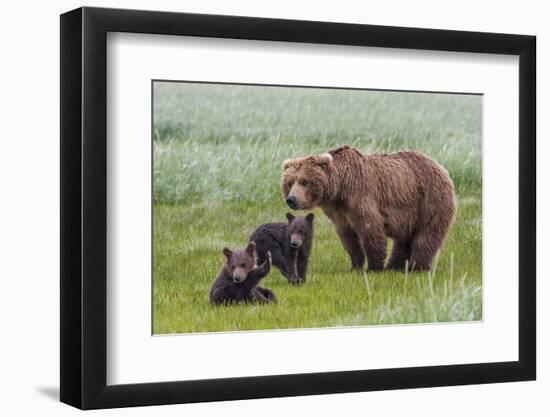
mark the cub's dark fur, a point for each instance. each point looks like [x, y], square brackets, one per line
[289, 244]
[239, 278]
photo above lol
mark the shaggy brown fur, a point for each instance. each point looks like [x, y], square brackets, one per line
[406, 196]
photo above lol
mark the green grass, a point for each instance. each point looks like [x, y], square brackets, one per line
[217, 160]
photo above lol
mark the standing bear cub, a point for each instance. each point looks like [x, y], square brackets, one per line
[289, 244]
[239, 278]
[406, 196]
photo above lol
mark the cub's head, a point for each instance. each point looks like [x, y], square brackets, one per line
[240, 263]
[304, 182]
[301, 229]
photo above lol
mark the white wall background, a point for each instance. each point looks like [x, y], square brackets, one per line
[29, 225]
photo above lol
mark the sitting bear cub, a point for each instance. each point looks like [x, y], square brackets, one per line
[239, 278]
[289, 244]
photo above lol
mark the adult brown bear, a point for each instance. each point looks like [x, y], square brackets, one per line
[405, 195]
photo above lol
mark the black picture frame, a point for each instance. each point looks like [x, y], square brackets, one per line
[84, 207]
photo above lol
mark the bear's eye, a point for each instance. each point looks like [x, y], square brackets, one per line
[303, 183]
[242, 265]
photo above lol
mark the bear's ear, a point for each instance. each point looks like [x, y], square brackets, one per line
[227, 252]
[287, 163]
[323, 159]
[251, 248]
[290, 217]
[310, 217]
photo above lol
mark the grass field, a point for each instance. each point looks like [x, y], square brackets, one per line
[217, 161]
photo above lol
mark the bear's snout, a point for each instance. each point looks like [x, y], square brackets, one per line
[292, 202]
[239, 275]
[295, 243]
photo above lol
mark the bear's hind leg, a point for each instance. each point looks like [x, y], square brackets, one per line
[263, 295]
[425, 245]
[267, 293]
[400, 254]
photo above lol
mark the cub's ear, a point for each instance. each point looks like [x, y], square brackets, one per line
[251, 248]
[323, 159]
[227, 252]
[310, 217]
[290, 217]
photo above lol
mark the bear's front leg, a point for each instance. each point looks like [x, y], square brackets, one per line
[352, 245]
[374, 241]
[263, 295]
[254, 277]
[262, 270]
[287, 268]
[301, 264]
[349, 238]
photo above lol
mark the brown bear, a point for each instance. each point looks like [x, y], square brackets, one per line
[406, 196]
[239, 278]
[289, 244]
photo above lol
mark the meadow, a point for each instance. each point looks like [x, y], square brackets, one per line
[218, 151]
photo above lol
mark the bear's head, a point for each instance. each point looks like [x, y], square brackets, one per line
[300, 228]
[304, 181]
[240, 263]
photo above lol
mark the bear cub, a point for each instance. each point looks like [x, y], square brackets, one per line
[289, 244]
[239, 278]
